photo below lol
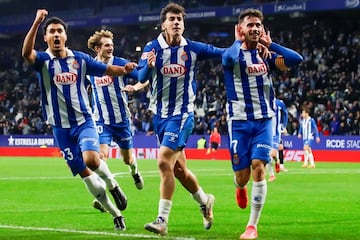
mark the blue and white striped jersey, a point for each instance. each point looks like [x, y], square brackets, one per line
[281, 117]
[172, 80]
[249, 89]
[308, 129]
[111, 104]
[64, 98]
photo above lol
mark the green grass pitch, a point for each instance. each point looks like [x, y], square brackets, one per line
[39, 199]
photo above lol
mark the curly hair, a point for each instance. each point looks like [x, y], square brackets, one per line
[95, 39]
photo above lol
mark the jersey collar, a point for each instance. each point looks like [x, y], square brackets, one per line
[163, 43]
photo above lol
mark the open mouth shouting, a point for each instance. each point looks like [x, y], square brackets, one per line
[57, 43]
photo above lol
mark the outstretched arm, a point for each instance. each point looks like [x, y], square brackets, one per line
[136, 87]
[28, 51]
[115, 70]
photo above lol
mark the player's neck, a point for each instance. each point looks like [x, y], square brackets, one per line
[172, 41]
[59, 53]
[102, 59]
[249, 45]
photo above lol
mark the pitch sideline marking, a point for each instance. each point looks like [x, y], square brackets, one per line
[45, 229]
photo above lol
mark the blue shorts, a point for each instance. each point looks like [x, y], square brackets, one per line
[276, 141]
[119, 133]
[173, 132]
[249, 140]
[308, 142]
[73, 141]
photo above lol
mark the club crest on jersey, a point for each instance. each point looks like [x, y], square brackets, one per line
[173, 70]
[256, 69]
[104, 81]
[184, 56]
[65, 78]
[76, 65]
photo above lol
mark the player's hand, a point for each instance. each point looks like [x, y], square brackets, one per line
[264, 51]
[129, 89]
[151, 59]
[284, 131]
[317, 139]
[130, 66]
[41, 14]
[265, 38]
[239, 35]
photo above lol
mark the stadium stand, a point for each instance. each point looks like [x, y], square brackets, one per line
[327, 81]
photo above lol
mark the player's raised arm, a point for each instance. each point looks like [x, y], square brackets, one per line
[288, 58]
[28, 51]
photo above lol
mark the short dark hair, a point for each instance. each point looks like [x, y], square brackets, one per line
[306, 109]
[54, 20]
[251, 12]
[173, 8]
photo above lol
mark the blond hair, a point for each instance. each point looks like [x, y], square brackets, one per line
[95, 39]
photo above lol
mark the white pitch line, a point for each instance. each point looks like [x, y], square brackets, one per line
[45, 229]
[209, 172]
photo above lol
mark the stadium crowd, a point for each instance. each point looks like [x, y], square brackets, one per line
[327, 80]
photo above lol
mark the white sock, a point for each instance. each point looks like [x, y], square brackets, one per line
[105, 174]
[200, 196]
[258, 197]
[97, 188]
[306, 157]
[270, 168]
[311, 159]
[164, 209]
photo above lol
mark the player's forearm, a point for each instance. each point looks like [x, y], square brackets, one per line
[138, 86]
[115, 70]
[291, 57]
[144, 73]
[28, 51]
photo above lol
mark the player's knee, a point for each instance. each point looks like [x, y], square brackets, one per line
[91, 159]
[165, 166]
[242, 177]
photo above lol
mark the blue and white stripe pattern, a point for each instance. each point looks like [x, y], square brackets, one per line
[172, 81]
[250, 93]
[111, 103]
[308, 129]
[280, 119]
[64, 98]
